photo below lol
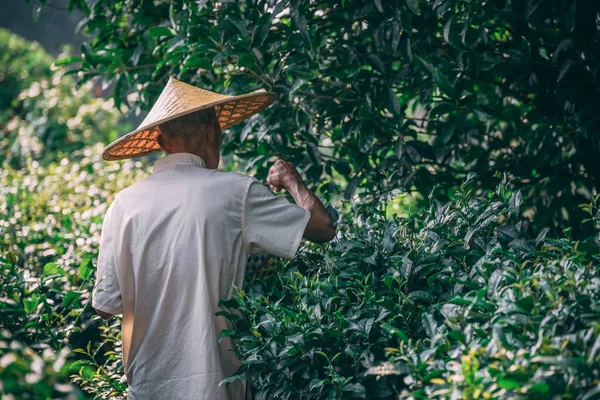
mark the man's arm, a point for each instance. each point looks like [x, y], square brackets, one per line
[283, 175]
[106, 296]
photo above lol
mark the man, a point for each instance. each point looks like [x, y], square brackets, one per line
[176, 242]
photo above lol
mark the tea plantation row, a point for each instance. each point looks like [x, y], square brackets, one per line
[455, 302]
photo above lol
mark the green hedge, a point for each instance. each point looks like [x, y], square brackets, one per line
[42, 111]
[387, 94]
[454, 302]
[50, 223]
[21, 64]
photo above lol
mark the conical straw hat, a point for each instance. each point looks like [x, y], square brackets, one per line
[178, 99]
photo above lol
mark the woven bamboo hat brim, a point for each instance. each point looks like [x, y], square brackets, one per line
[178, 99]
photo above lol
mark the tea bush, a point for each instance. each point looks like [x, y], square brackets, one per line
[50, 224]
[25, 374]
[42, 111]
[22, 63]
[404, 94]
[455, 302]
[452, 302]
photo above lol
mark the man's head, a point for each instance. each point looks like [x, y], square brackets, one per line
[197, 133]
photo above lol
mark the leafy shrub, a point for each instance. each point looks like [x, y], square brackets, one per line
[59, 117]
[24, 374]
[50, 225]
[455, 302]
[42, 111]
[399, 94]
[21, 64]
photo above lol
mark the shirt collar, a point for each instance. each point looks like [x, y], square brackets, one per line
[177, 158]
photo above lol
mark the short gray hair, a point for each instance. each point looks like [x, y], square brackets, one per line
[186, 126]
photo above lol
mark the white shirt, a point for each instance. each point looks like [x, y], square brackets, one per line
[172, 246]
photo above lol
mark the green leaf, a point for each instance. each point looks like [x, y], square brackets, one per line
[541, 236]
[300, 22]
[30, 303]
[447, 28]
[515, 201]
[245, 60]
[540, 387]
[430, 324]
[378, 5]
[521, 244]
[376, 63]
[442, 108]
[70, 298]
[295, 86]
[396, 108]
[393, 331]
[509, 384]
[425, 64]
[449, 129]
[53, 269]
[222, 55]
[564, 69]
[343, 167]
[233, 378]
[67, 60]
[197, 61]
[316, 384]
[443, 83]
[570, 18]
[356, 390]
[226, 333]
[11, 258]
[84, 269]
[259, 34]
[458, 336]
[231, 317]
[414, 6]
[159, 31]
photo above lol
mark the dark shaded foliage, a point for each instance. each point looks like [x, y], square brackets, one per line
[401, 94]
[487, 293]
[456, 302]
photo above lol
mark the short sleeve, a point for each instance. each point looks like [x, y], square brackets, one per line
[106, 296]
[271, 223]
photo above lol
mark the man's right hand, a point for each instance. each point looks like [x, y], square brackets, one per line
[283, 175]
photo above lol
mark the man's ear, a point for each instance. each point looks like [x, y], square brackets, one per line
[207, 133]
[160, 139]
[214, 130]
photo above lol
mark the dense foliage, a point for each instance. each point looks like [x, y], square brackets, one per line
[456, 302]
[43, 112]
[22, 64]
[487, 288]
[50, 224]
[397, 95]
[51, 214]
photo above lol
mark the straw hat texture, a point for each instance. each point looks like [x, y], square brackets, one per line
[178, 99]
